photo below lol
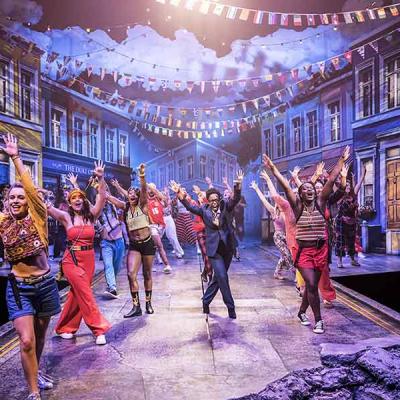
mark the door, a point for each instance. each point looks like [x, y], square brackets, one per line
[393, 194]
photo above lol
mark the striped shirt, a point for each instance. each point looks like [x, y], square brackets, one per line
[311, 225]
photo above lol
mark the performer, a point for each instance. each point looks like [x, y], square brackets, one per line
[170, 227]
[156, 214]
[32, 294]
[141, 245]
[285, 262]
[79, 261]
[217, 217]
[346, 222]
[311, 236]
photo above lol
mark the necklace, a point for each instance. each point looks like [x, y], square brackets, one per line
[310, 214]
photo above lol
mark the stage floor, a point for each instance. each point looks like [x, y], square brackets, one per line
[176, 354]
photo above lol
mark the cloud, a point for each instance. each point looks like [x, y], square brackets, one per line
[22, 10]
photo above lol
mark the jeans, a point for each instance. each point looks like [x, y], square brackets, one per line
[113, 253]
[220, 264]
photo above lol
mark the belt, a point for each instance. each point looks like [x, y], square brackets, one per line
[81, 248]
[34, 279]
[311, 243]
[142, 241]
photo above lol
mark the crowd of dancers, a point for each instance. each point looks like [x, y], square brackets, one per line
[139, 217]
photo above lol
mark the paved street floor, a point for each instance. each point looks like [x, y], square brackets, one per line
[176, 354]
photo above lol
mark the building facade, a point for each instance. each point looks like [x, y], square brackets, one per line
[77, 132]
[376, 127]
[20, 104]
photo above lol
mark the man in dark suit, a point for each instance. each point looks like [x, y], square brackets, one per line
[220, 242]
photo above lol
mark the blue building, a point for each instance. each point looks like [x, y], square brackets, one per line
[78, 131]
[376, 128]
[316, 127]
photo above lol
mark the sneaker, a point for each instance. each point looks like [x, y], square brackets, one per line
[355, 263]
[278, 276]
[100, 340]
[111, 293]
[66, 335]
[47, 377]
[231, 313]
[328, 304]
[43, 383]
[319, 327]
[304, 319]
[179, 256]
[340, 265]
[167, 269]
[34, 396]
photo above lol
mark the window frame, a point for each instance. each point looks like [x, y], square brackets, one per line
[113, 141]
[269, 144]
[383, 87]
[294, 134]
[203, 165]
[359, 100]
[280, 140]
[9, 102]
[84, 132]
[338, 116]
[98, 139]
[190, 166]
[123, 161]
[307, 128]
[63, 127]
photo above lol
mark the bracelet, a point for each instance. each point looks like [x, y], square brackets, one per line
[142, 175]
[14, 157]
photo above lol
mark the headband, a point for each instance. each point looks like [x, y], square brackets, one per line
[76, 190]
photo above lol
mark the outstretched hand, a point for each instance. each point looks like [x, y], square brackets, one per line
[196, 189]
[11, 147]
[175, 187]
[346, 153]
[268, 162]
[295, 172]
[142, 169]
[265, 176]
[115, 183]
[320, 168]
[239, 177]
[72, 178]
[345, 170]
[254, 185]
[208, 180]
[99, 167]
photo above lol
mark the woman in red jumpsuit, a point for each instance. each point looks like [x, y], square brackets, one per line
[79, 261]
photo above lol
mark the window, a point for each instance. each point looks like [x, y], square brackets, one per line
[212, 170]
[57, 128]
[392, 82]
[312, 129]
[93, 140]
[365, 92]
[27, 94]
[223, 169]
[123, 149]
[296, 126]
[334, 120]
[4, 85]
[203, 162]
[153, 176]
[190, 167]
[162, 178]
[280, 140]
[181, 173]
[110, 145]
[77, 137]
[367, 193]
[170, 172]
[268, 142]
[230, 172]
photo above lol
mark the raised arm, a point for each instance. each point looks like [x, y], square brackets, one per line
[161, 196]
[263, 199]
[143, 187]
[318, 172]
[359, 183]
[237, 191]
[226, 184]
[119, 188]
[117, 202]
[275, 196]
[59, 215]
[182, 196]
[295, 176]
[209, 182]
[328, 187]
[101, 197]
[73, 179]
[283, 181]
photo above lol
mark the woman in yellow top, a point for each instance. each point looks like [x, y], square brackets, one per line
[32, 294]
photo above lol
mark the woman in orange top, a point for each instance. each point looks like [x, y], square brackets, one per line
[79, 261]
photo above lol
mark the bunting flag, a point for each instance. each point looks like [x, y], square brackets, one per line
[290, 91]
[244, 107]
[274, 18]
[374, 45]
[321, 66]
[297, 20]
[361, 51]
[202, 86]
[115, 76]
[335, 62]
[189, 86]
[89, 70]
[102, 73]
[231, 14]
[218, 9]
[244, 14]
[215, 85]
[258, 17]
[348, 56]
[295, 74]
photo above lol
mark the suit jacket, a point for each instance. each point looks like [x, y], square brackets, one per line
[222, 232]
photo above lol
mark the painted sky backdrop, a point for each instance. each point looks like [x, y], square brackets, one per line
[195, 47]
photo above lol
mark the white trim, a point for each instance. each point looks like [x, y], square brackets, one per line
[327, 120]
[10, 105]
[275, 148]
[125, 134]
[306, 133]
[362, 155]
[115, 141]
[64, 127]
[382, 87]
[98, 134]
[291, 134]
[31, 157]
[357, 100]
[35, 117]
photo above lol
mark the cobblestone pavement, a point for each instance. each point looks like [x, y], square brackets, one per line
[175, 354]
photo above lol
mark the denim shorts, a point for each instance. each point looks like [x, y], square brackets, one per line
[41, 299]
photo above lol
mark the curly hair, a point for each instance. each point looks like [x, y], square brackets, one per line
[213, 191]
